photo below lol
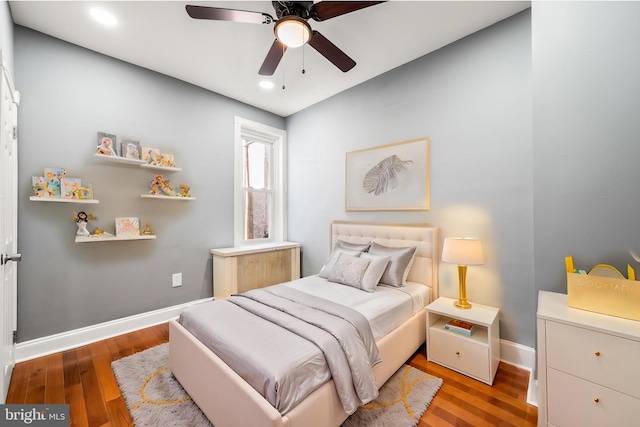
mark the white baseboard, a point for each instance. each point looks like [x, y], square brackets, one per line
[83, 336]
[523, 357]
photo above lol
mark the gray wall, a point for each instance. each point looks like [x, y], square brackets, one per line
[473, 99]
[68, 95]
[586, 117]
[6, 34]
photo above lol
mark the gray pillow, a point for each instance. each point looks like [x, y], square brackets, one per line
[399, 263]
[362, 247]
[349, 270]
[331, 261]
[374, 272]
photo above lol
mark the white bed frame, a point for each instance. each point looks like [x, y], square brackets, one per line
[227, 400]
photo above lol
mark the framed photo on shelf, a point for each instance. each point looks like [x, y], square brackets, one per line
[69, 187]
[149, 153]
[55, 173]
[40, 186]
[127, 227]
[53, 177]
[392, 177]
[130, 149]
[85, 192]
[106, 144]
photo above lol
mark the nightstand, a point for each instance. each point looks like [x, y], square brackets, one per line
[476, 356]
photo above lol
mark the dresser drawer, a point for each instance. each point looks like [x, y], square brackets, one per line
[575, 402]
[600, 358]
[460, 353]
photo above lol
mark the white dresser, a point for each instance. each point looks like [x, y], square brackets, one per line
[588, 366]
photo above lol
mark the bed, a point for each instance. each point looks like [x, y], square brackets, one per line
[228, 400]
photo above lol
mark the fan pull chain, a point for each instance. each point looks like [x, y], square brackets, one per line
[283, 50]
[303, 49]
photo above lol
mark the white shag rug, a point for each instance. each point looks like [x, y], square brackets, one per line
[401, 402]
[153, 395]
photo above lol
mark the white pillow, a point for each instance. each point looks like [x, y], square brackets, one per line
[349, 270]
[399, 264]
[374, 272]
[331, 261]
[363, 247]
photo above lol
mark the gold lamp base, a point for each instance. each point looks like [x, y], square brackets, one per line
[462, 304]
[462, 299]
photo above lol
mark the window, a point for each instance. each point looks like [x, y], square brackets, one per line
[260, 185]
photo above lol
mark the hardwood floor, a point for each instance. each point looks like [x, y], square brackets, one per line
[462, 401]
[83, 378]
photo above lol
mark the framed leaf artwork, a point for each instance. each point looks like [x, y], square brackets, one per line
[392, 177]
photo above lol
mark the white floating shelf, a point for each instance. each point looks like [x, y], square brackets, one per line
[61, 200]
[162, 168]
[118, 159]
[136, 162]
[155, 196]
[112, 238]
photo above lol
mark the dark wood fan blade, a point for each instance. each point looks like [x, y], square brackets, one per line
[273, 59]
[331, 52]
[330, 9]
[219, 14]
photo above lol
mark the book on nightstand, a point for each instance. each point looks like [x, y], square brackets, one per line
[460, 327]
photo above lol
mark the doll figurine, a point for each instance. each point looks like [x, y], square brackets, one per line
[82, 219]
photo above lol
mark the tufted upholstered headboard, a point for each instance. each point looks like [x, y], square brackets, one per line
[425, 237]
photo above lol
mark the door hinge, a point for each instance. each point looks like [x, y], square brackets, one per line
[14, 133]
[15, 337]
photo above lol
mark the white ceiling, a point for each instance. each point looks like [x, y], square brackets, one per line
[224, 57]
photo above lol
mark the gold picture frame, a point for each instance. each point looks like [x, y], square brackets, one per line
[391, 177]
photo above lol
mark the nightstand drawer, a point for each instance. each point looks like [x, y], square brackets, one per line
[600, 358]
[576, 402]
[460, 353]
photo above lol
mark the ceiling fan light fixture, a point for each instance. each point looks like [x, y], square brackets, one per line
[266, 84]
[292, 31]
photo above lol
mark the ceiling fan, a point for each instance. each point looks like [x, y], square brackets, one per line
[291, 27]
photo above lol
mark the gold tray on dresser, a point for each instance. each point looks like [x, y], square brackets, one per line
[604, 290]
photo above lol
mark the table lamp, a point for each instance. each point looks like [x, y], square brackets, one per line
[464, 252]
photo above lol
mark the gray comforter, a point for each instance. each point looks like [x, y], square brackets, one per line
[341, 334]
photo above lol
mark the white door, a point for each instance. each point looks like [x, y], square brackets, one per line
[8, 225]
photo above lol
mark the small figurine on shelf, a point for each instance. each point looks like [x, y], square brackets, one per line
[147, 230]
[81, 219]
[185, 191]
[160, 185]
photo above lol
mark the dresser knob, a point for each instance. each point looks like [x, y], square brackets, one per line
[597, 354]
[457, 353]
[596, 400]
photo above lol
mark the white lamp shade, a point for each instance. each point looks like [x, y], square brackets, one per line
[292, 32]
[462, 251]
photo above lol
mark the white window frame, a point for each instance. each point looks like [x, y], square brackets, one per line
[278, 214]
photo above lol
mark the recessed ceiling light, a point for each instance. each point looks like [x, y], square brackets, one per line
[103, 17]
[266, 84]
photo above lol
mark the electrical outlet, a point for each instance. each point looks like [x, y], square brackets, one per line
[176, 280]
